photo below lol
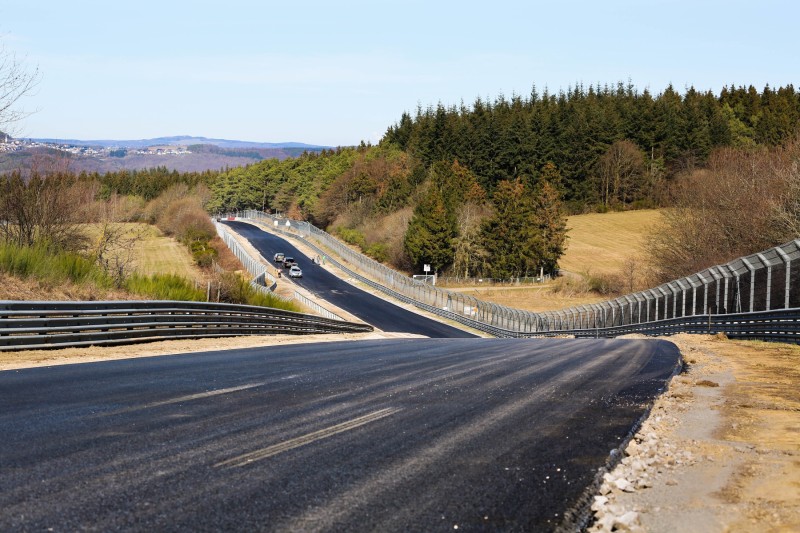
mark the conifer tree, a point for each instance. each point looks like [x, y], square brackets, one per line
[511, 236]
[430, 233]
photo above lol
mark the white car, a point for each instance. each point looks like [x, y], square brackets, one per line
[295, 272]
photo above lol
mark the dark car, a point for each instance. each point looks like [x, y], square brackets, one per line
[288, 262]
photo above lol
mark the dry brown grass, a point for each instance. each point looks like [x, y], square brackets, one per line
[154, 254]
[530, 297]
[599, 243]
[12, 288]
[159, 254]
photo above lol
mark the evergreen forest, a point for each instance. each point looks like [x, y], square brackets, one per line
[484, 189]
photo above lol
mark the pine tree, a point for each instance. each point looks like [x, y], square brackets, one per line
[552, 224]
[430, 233]
[511, 236]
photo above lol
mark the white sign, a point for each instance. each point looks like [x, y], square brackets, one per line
[426, 268]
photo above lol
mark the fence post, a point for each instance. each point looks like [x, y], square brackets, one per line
[683, 300]
[705, 283]
[788, 262]
[752, 270]
[766, 262]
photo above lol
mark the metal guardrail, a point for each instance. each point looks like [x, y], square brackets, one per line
[36, 325]
[766, 281]
[780, 326]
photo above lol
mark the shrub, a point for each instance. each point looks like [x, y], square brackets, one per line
[164, 287]
[203, 253]
[45, 264]
[606, 284]
[351, 236]
[234, 288]
[378, 251]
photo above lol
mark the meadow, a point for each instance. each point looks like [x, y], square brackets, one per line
[598, 245]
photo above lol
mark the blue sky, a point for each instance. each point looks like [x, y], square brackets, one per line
[336, 73]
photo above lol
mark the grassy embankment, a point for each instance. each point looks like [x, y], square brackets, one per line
[597, 245]
[162, 269]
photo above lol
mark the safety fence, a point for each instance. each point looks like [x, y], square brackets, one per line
[764, 282]
[36, 325]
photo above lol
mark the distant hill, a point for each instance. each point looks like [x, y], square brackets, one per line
[113, 155]
[182, 140]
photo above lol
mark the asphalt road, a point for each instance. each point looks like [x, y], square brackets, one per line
[385, 435]
[375, 311]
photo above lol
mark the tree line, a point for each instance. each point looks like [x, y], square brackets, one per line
[483, 191]
[614, 146]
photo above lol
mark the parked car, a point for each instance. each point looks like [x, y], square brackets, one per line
[295, 272]
[288, 262]
[279, 257]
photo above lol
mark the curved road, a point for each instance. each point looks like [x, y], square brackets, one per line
[375, 311]
[387, 435]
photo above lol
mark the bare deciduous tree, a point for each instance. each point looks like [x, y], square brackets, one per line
[115, 249]
[41, 209]
[745, 201]
[15, 82]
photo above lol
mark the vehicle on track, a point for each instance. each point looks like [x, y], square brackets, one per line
[295, 272]
[279, 257]
[288, 262]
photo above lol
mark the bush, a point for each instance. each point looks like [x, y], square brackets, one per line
[378, 251]
[606, 284]
[352, 236]
[233, 288]
[44, 264]
[164, 287]
[203, 253]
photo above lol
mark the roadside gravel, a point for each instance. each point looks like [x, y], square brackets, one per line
[720, 450]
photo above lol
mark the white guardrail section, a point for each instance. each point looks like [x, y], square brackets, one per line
[261, 274]
[767, 281]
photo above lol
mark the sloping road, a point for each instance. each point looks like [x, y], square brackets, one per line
[375, 311]
[392, 435]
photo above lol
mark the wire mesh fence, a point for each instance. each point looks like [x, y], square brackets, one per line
[766, 281]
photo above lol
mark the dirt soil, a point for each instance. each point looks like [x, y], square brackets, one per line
[720, 450]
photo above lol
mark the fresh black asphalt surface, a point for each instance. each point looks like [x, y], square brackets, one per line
[380, 435]
[375, 311]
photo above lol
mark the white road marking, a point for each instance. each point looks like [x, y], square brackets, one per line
[188, 398]
[275, 449]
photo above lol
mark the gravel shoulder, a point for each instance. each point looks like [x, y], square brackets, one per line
[720, 450]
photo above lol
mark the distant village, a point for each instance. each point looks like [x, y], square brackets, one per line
[8, 144]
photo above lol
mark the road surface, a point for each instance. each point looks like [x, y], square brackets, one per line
[375, 311]
[382, 435]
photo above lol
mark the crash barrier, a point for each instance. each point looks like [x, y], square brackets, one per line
[263, 281]
[36, 325]
[766, 281]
